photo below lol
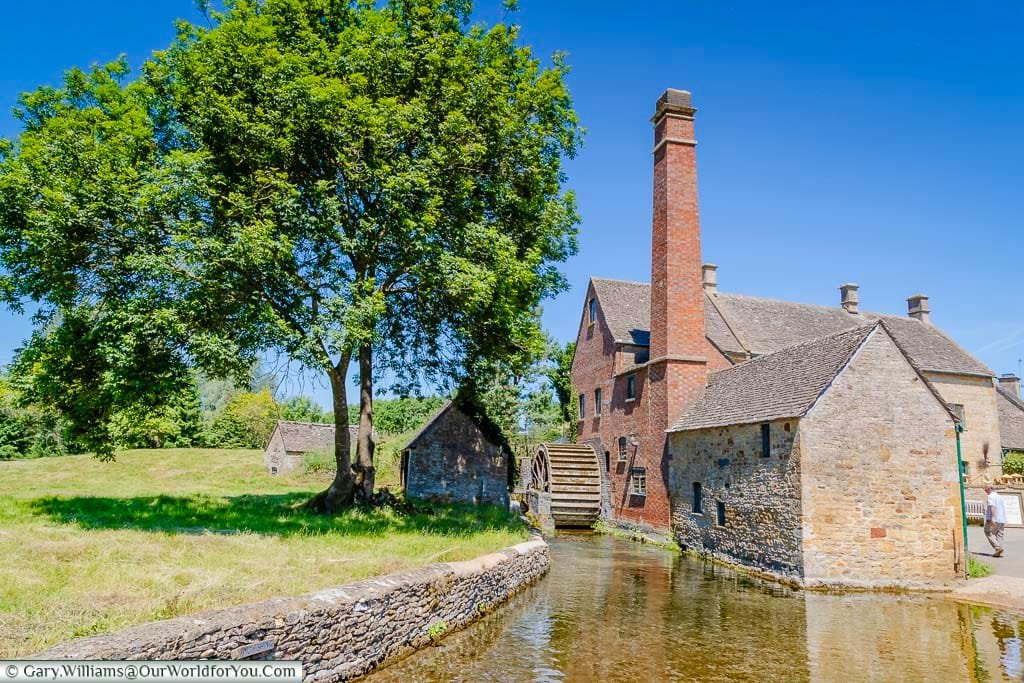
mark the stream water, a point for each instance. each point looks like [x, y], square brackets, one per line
[614, 610]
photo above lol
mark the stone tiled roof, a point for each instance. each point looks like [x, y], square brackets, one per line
[305, 437]
[746, 324]
[1011, 419]
[626, 307]
[778, 385]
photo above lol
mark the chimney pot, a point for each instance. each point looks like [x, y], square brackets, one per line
[1010, 383]
[917, 308]
[848, 296]
[709, 275]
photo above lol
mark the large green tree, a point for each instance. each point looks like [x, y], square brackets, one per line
[341, 181]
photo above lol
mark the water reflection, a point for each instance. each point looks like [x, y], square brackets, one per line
[612, 610]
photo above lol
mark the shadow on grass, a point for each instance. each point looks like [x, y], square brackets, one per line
[272, 515]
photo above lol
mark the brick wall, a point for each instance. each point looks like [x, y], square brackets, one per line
[454, 461]
[881, 502]
[761, 495]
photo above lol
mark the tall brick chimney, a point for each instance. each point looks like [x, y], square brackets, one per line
[678, 341]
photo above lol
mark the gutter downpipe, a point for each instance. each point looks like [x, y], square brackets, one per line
[963, 500]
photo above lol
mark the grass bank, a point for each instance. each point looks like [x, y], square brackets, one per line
[90, 547]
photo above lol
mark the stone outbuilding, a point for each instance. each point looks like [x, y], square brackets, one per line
[291, 441]
[458, 456]
[822, 463]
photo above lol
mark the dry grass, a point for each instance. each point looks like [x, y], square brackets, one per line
[90, 547]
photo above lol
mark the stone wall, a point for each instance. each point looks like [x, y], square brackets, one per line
[881, 502]
[981, 422]
[761, 495]
[338, 633]
[453, 460]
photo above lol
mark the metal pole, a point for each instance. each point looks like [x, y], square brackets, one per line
[963, 500]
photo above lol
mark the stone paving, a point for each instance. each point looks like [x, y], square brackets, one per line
[1012, 561]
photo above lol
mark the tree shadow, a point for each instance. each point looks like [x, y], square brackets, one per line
[272, 515]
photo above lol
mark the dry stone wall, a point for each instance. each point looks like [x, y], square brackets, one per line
[339, 633]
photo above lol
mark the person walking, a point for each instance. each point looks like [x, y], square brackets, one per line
[995, 519]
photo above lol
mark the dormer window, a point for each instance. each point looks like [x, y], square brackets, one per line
[592, 310]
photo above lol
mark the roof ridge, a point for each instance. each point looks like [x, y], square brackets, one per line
[1015, 400]
[788, 349]
[614, 279]
[312, 424]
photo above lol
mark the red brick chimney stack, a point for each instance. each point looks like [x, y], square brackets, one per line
[678, 342]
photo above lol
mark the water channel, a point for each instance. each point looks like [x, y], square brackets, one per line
[614, 610]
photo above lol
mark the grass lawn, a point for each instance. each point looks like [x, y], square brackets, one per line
[89, 547]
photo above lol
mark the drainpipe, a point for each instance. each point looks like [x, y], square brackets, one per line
[963, 500]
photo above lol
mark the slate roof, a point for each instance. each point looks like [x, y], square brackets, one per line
[774, 386]
[305, 437]
[1011, 419]
[746, 324]
[627, 309]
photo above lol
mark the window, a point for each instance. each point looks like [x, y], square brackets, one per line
[607, 461]
[623, 444]
[638, 481]
[958, 410]
[583, 406]
[698, 502]
[630, 387]
[592, 310]
[766, 440]
[721, 513]
[597, 401]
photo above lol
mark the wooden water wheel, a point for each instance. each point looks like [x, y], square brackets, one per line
[572, 475]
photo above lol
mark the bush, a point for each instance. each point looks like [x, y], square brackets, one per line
[320, 463]
[177, 424]
[247, 421]
[1013, 463]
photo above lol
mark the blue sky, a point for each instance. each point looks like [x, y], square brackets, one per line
[874, 142]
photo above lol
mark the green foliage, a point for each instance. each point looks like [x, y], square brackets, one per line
[302, 409]
[27, 431]
[559, 374]
[177, 423]
[574, 411]
[399, 415]
[304, 177]
[318, 463]
[247, 421]
[977, 569]
[437, 630]
[1013, 463]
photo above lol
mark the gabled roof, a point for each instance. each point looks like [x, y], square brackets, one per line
[778, 385]
[746, 324]
[627, 309]
[472, 410]
[305, 437]
[1011, 419]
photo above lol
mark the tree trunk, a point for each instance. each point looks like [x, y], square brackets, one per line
[365, 443]
[341, 492]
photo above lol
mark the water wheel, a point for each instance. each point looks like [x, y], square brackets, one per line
[572, 475]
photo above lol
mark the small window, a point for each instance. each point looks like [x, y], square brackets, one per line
[958, 410]
[638, 481]
[583, 406]
[607, 461]
[721, 513]
[597, 401]
[630, 387]
[592, 310]
[623, 445]
[698, 502]
[766, 440]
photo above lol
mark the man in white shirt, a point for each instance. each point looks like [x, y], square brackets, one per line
[995, 520]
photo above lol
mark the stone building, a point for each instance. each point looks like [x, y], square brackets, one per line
[458, 456]
[645, 353]
[831, 462]
[291, 441]
[1011, 414]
